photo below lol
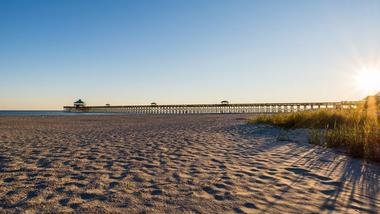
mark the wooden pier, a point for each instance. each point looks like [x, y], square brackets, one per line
[224, 108]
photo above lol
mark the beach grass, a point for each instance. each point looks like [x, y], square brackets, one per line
[356, 130]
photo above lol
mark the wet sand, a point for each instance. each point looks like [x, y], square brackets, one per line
[174, 164]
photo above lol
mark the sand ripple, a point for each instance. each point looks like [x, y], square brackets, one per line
[173, 164]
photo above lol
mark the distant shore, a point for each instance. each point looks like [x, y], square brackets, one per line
[174, 163]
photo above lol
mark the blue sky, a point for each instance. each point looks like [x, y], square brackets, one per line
[176, 51]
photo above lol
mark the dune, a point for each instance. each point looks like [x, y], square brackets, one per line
[174, 164]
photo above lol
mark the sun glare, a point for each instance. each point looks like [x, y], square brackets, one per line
[368, 80]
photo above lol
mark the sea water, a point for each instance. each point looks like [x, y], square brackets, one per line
[48, 113]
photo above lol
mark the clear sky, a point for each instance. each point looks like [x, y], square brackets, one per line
[184, 51]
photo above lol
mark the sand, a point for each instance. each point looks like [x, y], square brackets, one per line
[174, 164]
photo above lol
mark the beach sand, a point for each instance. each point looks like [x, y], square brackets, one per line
[174, 164]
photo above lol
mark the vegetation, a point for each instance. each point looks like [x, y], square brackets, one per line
[356, 130]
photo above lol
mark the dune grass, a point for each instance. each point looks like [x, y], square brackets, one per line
[356, 130]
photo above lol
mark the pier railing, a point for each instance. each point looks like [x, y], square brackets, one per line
[242, 108]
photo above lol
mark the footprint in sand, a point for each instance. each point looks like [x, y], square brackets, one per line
[247, 206]
[238, 210]
[176, 177]
[44, 163]
[219, 197]
[221, 186]
[239, 175]
[79, 185]
[74, 206]
[209, 190]
[225, 196]
[31, 194]
[328, 192]
[9, 180]
[12, 192]
[92, 196]
[334, 183]
[305, 172]
[113, 184]
[60, 189]
[138, 179]
[229, 183]
[156, 192]
[64, 201]
[41, 185]
[250, 205]
[298, 171]
[265, 177]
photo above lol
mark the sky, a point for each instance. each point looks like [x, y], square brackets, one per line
[125, 52]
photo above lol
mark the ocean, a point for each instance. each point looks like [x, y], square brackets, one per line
[48, 113]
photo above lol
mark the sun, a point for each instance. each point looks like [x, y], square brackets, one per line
[368, 79]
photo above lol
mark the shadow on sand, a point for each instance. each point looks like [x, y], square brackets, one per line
[353, 182]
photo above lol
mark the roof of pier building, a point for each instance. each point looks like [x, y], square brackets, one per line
[79, 101]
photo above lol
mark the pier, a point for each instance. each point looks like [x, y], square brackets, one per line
[223, 108]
